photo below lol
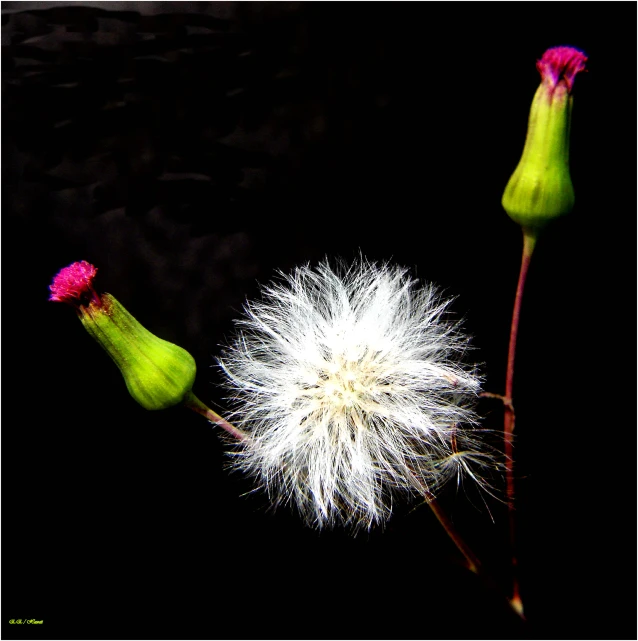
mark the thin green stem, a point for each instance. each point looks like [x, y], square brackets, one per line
[529, 241]
[192, 402]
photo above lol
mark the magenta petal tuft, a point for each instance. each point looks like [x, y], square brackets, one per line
[561, 63]
[73, 282]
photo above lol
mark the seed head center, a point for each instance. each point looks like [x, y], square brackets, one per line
[346, 383]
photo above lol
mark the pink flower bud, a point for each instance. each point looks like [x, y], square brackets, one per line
[540, 189]
[158, 374]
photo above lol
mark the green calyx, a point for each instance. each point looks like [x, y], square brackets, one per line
[540, 188]
[158, 374]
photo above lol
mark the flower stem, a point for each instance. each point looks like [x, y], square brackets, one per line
[472, 562]
[192, 402]
[529, 241]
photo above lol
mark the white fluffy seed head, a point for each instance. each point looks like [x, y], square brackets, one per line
[351, 385]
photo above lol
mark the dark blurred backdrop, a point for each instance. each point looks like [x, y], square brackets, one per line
[190, 150]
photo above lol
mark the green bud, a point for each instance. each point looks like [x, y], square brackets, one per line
[158, 374]
[540, 188]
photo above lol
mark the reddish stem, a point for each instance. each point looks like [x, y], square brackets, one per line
[529, 241]
[192, 402]
[472, 562]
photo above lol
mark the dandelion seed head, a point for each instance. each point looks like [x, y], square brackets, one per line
[351, 384]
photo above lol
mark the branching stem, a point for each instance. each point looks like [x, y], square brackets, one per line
[472, 562]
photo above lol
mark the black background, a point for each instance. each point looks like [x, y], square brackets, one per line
[190, 150]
